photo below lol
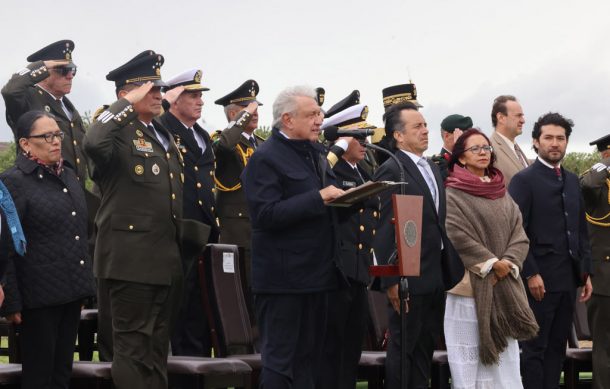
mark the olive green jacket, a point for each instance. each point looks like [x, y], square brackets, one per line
[141, 206]
[21, 94]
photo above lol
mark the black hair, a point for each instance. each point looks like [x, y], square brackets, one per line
[551, 118]
[393, 120]
[26, 122]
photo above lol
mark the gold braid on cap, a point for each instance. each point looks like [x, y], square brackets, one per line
[599, 221]
[245, 157]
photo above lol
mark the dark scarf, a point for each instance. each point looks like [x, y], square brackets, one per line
[462, 179]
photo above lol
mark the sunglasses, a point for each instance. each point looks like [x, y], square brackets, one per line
[65, 70]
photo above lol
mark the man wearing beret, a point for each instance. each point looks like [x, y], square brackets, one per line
[233, 150]
[595, 184]
[451, 129]
[192, 335]
[138, 168]
[43, 85]
[507, 119]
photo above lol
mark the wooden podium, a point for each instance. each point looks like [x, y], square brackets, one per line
[407, 227]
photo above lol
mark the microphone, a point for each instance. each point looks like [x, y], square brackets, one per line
[332, 133]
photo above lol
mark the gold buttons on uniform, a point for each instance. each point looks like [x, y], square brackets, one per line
[374, 213]
[131, 227]
[211, 172]
[239, 214]
[359, 246]
[200, 202]
[199, 185]
[65, 190]
[82, 262]
[196, 169]
[139, 169]
[77, 160]
[213, 190]
[607, 257]
[73, 213]
[77, 237]
[173, 196]
[74, 142]
[212, 209]
[361, 228]
[167, 155]
[171, 175]
[373, 232]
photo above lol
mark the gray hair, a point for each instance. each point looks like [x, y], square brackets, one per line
[285, 102]
[232, 107]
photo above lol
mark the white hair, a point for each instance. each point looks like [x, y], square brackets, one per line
[285, 102]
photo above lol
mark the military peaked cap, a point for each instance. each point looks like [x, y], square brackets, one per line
[142, 68]
[244, 95]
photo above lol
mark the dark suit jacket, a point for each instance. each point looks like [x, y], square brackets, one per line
[139, 217]
[554, 220]
[293, 239]
[199, 203]
[21, 94]
[439, 268]
[357, 226]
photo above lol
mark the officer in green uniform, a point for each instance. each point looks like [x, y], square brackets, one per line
[138, 168]
[233, 149]
[595, 184]
[43, 85]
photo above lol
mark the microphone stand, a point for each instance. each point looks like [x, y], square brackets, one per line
[403, 288]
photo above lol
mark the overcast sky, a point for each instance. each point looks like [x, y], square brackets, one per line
[552, 55]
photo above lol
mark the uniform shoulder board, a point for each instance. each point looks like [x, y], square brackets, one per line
[215, 136]
[99, 111]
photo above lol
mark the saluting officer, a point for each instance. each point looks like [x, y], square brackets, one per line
[138, 169]
[192, 336]
[233, 150]
[43, 85]
[348, 307]
[595, 184]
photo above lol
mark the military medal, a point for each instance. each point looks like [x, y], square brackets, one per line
[142, 145]
[139, 133]
[156, 169]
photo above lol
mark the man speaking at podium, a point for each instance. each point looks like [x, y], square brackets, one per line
[288, 183]
[426, 292]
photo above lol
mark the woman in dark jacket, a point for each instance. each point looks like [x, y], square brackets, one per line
[45, 288]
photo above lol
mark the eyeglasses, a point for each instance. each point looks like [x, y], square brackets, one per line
[477, 149]
[65, 70]
[49, 136]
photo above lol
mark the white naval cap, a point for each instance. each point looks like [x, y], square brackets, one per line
[190, 79]
[352, 117]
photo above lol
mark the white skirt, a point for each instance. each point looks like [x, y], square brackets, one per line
[462, 338]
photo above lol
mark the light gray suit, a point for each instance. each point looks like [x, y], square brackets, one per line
[506, 160]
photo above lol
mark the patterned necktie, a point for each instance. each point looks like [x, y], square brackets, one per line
[429, 179]
[558, 172]
[521, 155]
[12, 219]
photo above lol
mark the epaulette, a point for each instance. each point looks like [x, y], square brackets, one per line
[99, 111]
[215, 136]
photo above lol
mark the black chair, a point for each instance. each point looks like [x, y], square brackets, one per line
[10, 375]
[578, 359]
[225, 306]
[87, 328]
